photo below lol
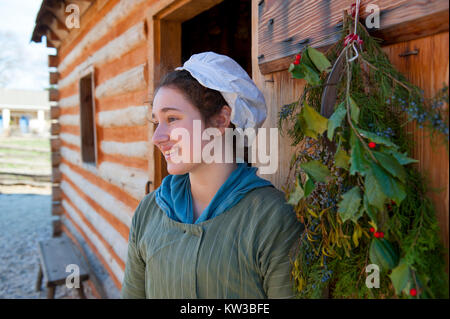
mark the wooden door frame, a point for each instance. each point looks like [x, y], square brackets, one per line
[163, 20]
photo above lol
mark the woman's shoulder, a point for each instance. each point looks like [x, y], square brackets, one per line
[268, 195]
[268, 201]
[145, 208]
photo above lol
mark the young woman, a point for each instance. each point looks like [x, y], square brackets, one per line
[211, 230]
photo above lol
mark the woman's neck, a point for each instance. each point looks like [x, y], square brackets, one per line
[205, 181]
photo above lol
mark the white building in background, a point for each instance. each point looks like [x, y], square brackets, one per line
[24, 112]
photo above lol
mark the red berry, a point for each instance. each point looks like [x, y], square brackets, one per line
[298, 57]
[296, 62]
[381, 234]
[413, 292]
[372, 229]
[377, 234]
[372, 145]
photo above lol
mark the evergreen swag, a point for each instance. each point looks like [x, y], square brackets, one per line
[358, 197]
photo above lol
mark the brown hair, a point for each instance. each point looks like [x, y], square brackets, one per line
[209, 102]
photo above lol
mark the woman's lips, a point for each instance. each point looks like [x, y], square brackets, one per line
[171, 152]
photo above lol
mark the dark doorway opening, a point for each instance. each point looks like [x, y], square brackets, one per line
[224, 29]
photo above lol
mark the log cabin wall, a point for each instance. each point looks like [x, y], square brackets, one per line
[410, 25]
[98, 199]
[122, 44]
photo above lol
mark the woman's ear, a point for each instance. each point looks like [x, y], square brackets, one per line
[222, 120]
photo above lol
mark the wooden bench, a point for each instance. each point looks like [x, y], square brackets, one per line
[55, 254]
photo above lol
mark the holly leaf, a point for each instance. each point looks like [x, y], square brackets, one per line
[309, 186]
[400, 276]
[350, 203]
[368, 209]
[341, 159]
[377, 139]
[291, 67]
[402, 158]
[318, 171]
[390, 164]
[335, 120]
[319, 59]
[314, 121]
[389, 185]
[383, 254]
[373, 191]
[297, 194]
[306, 60]
[358, 163]
[297, 71]
[354, 110]
[311, 76]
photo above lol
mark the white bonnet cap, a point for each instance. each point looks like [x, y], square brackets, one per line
[223, 74]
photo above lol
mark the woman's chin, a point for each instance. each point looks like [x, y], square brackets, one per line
[178, 169]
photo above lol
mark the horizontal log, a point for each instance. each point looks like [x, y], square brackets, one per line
[91, 237]
[55, 144]
[53, 43]
[131, 180]
[71, 139]
[54, 76]
[56, 158]
[410, 30]
[111, 51]
[130, 116]
[53, 61]
[108, 202]
[70, 119]
[53, 95]
[57, 228]
[56, 175]
[55, 128]
[133, 149]
[118, 13]
[70, 101]
[57, 209]
[283, 31]
[109, 233]
[55, 111]
[131, 80]
[56, 193]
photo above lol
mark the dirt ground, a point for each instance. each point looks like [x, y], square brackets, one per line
[25, 219]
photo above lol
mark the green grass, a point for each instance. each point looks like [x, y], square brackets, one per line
[43, 143]
[24, 155]
[31, 158]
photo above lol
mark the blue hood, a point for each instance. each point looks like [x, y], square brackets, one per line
[175, 198]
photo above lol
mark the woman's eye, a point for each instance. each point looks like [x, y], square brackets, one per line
[169, 119]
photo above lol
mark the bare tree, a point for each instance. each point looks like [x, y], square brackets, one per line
[10, 56]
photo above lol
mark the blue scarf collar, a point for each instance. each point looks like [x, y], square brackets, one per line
[175, 198]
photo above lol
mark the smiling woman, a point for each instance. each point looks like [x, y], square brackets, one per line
[211, 230]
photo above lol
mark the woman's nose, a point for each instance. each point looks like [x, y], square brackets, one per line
[160, 134]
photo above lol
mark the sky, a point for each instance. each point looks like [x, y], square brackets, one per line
[17, 18]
